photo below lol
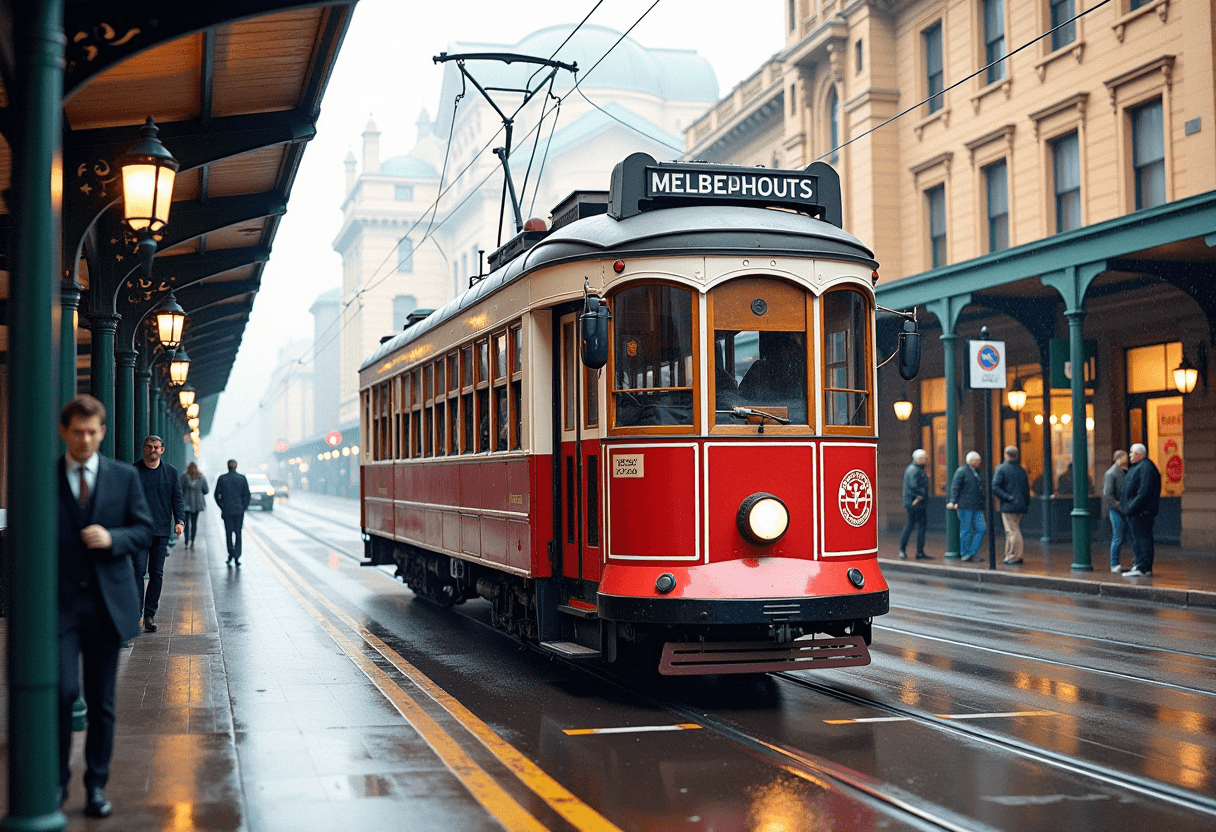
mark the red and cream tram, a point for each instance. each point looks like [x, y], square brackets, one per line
[651, 426]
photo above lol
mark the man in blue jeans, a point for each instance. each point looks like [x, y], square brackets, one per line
[967, 497]
[1112, 482]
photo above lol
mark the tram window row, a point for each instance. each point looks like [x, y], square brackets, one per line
[467, 401]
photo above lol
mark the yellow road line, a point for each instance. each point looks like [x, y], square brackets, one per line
[1001, 715]
[557, 796]
[637, 729]
[484, 789]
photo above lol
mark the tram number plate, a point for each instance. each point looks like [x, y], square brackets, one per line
[629, 466]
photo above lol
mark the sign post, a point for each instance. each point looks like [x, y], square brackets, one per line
[987, 373]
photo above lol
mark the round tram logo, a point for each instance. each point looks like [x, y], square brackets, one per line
[856, 498]
[988, 358]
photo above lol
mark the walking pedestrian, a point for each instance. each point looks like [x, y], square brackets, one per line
[1140, 497]
[1112, 484]
[967, 497]
[163, 491]
[102, 520]
[194, 493]
[1011, 486]
[916, 499]
[232, 496]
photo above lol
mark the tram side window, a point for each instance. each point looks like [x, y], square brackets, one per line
[846, 364]
[441, 407]
[404, 407]
[453, 404]
[416, 406]
[483, 395]
[502, 415]
[466, 399]
[517, 386]
[653, 347]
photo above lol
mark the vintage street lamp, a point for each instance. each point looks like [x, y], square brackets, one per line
[185, 395]
[170, 320]
[903, 408]
[1016, 396]
[148, 173]
[1185, 376]
[192, 410]
[192, 423]
[179, 368]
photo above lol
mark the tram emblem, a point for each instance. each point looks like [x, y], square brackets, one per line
[856, 498]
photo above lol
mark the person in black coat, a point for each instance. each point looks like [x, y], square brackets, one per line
[1140, 498]
[1011, 486]
[102, 521]
[916, 500]
[967, 497]
[232, 496]
[163, 491]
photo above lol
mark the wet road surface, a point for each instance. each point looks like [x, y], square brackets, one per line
[984, 708]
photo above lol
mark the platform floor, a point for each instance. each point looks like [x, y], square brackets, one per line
[273, 727]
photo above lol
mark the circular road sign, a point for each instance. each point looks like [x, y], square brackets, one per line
[333, 439]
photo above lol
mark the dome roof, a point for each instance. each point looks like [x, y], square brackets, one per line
[409, 166]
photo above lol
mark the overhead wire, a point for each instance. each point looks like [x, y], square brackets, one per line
[432, 209]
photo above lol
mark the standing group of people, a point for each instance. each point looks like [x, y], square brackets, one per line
[1130, 497]
[114, 523]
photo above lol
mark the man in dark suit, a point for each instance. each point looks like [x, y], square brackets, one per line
[1140, 499]
[103, 519]
[232, 496]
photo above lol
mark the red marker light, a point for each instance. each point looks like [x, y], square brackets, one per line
[618, 266]
[874, 277]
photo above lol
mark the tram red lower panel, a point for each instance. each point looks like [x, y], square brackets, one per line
[745, 578]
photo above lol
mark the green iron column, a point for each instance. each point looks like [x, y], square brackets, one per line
[31, 571]
[104, 325]
[125, 442]
[69, 303]
[142, 379]
[947, 311]
[1080, 445]
[157, 414]
[1072, 283]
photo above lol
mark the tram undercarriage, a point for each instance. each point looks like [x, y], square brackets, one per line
[553, 616]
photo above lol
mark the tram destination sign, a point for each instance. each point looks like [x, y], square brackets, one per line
[640, 183]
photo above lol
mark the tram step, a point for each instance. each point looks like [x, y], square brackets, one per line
[698, 658]
[578, 612]
[570, 650]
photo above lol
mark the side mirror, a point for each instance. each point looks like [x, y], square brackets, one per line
[593, 324]
[909, 351]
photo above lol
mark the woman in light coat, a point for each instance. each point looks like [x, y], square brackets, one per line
[194, 491]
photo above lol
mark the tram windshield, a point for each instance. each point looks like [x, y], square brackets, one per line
[846, 364]
[653, 347]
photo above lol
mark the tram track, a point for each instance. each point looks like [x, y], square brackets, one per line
[887, 798]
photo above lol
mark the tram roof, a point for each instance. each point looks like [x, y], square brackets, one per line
[679, 231]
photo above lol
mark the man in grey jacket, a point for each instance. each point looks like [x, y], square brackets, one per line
[1112, 483]
[967, 498]
[916, 498]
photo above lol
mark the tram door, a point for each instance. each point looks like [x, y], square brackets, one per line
[580, 459]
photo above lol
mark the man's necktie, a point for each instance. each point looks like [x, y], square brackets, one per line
[84, 488]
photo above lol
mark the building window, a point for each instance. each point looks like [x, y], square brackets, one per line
[1061, 11]
[833, 125]
[1135, 4]
[996, 179]
[1148, 154]
[933, 65]
[1066, 167]
[935, 199]
[994, 39]
[405, 256]
[403, 305]
[859, 56]
[405, 192]
[793, 100]
[793, 13]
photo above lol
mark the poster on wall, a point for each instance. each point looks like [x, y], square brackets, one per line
[1169, 449]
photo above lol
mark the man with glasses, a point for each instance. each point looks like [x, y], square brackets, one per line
[163, 490]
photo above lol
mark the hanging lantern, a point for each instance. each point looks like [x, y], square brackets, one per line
[179, 368]
[170, 319]
[148, 173]
[185, 396]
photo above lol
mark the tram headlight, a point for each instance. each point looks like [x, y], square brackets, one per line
[763, 518]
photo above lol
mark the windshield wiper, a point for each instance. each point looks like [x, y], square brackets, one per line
[745, 412]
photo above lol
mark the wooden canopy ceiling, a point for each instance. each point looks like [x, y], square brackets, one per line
[235, 87]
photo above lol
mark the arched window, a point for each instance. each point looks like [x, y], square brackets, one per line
[405, 256]
[833, 109]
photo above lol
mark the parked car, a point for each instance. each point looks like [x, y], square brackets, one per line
[281, 488]
[261, 492]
